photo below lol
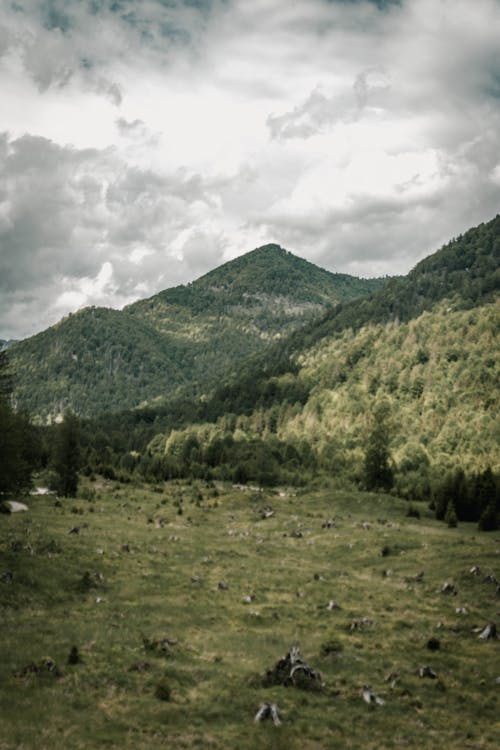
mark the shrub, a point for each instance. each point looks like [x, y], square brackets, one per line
[162, 691]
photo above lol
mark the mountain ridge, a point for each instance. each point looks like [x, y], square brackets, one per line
[425, 345]
[185, 337]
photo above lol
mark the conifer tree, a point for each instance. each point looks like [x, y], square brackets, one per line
[66, 458]
[18, 452]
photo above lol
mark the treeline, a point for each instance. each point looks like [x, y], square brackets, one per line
[458, 497]
[20, 445]
[26, 448]
[264, 461]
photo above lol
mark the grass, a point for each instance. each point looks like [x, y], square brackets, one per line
[166, 655]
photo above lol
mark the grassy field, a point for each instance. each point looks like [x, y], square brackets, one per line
[179, 597]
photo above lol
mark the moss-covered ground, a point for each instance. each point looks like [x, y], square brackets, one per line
[179, 597]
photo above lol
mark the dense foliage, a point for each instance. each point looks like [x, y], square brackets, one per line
[19, 445]
[183, 340]
[309, 406]
[398, 389]
[66, 455]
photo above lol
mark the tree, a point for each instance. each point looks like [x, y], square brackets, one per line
[450, 517]
[66, 458]
[378, 473]
[18, 441]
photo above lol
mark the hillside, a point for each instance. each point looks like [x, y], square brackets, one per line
[183, 339]
[424, 346]
[92, 360]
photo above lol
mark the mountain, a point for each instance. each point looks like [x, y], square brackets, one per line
[424, 347]
[4, 344]
[180, 341]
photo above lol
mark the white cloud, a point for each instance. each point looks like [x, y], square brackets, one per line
[156, 140]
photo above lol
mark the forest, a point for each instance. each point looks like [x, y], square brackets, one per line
[406, 376]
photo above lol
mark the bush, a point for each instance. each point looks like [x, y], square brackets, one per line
[450, 517]
[162, 691]
[489, 519]
[332, 646]
[412, 512]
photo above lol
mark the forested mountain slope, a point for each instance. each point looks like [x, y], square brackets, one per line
[424, 347]
[183, 340]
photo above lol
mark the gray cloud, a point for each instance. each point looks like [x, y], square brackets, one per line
[360, 134]
[319, 112]
[66, 213]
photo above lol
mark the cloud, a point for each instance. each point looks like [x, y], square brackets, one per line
[145, 141]
[319, 113]
[75, 226]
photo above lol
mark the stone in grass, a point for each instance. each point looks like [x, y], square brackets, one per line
[370, 697]
[489, 632]
[427, 671]
[159, 646]
[46, 666]
[449, 588]
[292, 671]
[360, 623]
[163, 691]
[268, 711]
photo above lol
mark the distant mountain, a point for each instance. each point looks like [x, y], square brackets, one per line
[180, 341]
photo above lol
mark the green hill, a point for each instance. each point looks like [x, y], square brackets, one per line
[184, 339]
[425, 347]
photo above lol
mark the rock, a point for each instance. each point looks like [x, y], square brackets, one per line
[392, 678]
[449, 588]
[427, 671]
[16, 507]
[489, 632]
[370, 697]
[268, 711]
[332, 604]
[329, 524]
[293, 671]
[45, 666]
[160, 646]
[362, 622]
[266, 512]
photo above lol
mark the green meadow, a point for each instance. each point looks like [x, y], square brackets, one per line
[179, 597]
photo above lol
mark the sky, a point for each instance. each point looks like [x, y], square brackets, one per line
[145, 142]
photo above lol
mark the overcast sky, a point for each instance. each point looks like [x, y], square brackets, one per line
[145, 142]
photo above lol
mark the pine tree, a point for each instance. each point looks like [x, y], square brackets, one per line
[66, 458]
[18, 448]
[450, 516]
